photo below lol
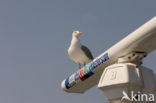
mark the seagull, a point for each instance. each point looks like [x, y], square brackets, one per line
[78, 53]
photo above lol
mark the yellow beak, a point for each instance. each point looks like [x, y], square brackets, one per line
[80, 33]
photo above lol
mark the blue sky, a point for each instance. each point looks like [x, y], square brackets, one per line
[35, 36]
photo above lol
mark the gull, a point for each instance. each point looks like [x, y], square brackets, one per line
[78, 53]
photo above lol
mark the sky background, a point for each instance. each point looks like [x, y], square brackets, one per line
[35, 36]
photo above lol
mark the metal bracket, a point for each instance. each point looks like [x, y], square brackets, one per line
[134, 57]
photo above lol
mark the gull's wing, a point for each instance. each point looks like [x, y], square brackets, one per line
[87, 52]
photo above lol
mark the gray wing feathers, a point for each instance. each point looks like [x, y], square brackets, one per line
[87, 52]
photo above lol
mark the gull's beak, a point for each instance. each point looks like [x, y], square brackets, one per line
[80, 33]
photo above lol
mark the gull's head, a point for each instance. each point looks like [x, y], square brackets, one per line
[77, 33]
